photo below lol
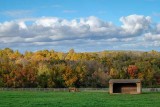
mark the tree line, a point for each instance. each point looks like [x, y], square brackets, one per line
[51, 69]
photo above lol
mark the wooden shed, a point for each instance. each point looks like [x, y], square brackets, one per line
[130, 86]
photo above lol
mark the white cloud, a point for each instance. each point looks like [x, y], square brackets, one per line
[157, 43]
[135, 24]
[87, 32]
[158, 28]
[69, 11]
[22, 25]
[8, 28]
[47, 22]
[112, 40]
[127, 39]
[17, 13]
[11, 40]
[152, 37]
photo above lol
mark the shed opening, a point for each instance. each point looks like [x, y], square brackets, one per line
[124, 88]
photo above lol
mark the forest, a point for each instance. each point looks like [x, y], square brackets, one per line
[51, 69]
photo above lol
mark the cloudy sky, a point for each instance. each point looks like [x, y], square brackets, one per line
[85, 25]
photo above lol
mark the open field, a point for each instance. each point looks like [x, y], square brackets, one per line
[78, 99]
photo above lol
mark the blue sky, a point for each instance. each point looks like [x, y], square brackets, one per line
[85, 25]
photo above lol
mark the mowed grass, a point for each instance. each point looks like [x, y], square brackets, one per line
[78, 99]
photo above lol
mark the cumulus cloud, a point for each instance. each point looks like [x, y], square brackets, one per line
[46, 31]
[135, 24]
[152, 37]
[158, 28]
[13, 40]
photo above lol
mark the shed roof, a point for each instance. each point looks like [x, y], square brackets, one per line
[124, 80]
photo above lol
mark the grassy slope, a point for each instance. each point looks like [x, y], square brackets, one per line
[79, 99]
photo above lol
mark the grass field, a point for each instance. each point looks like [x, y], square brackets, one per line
[78, 99]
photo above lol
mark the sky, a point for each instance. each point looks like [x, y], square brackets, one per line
[84, 25]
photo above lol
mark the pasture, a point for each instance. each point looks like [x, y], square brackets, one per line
[77, 99]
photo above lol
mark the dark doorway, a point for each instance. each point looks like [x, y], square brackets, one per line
[124, 88]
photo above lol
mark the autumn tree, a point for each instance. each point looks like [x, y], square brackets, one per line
[70, 77]
[132, 71]
[48, 68]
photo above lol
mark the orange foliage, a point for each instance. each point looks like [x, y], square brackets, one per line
[132, 71]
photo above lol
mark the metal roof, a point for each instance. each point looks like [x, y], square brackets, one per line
[124, 80]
